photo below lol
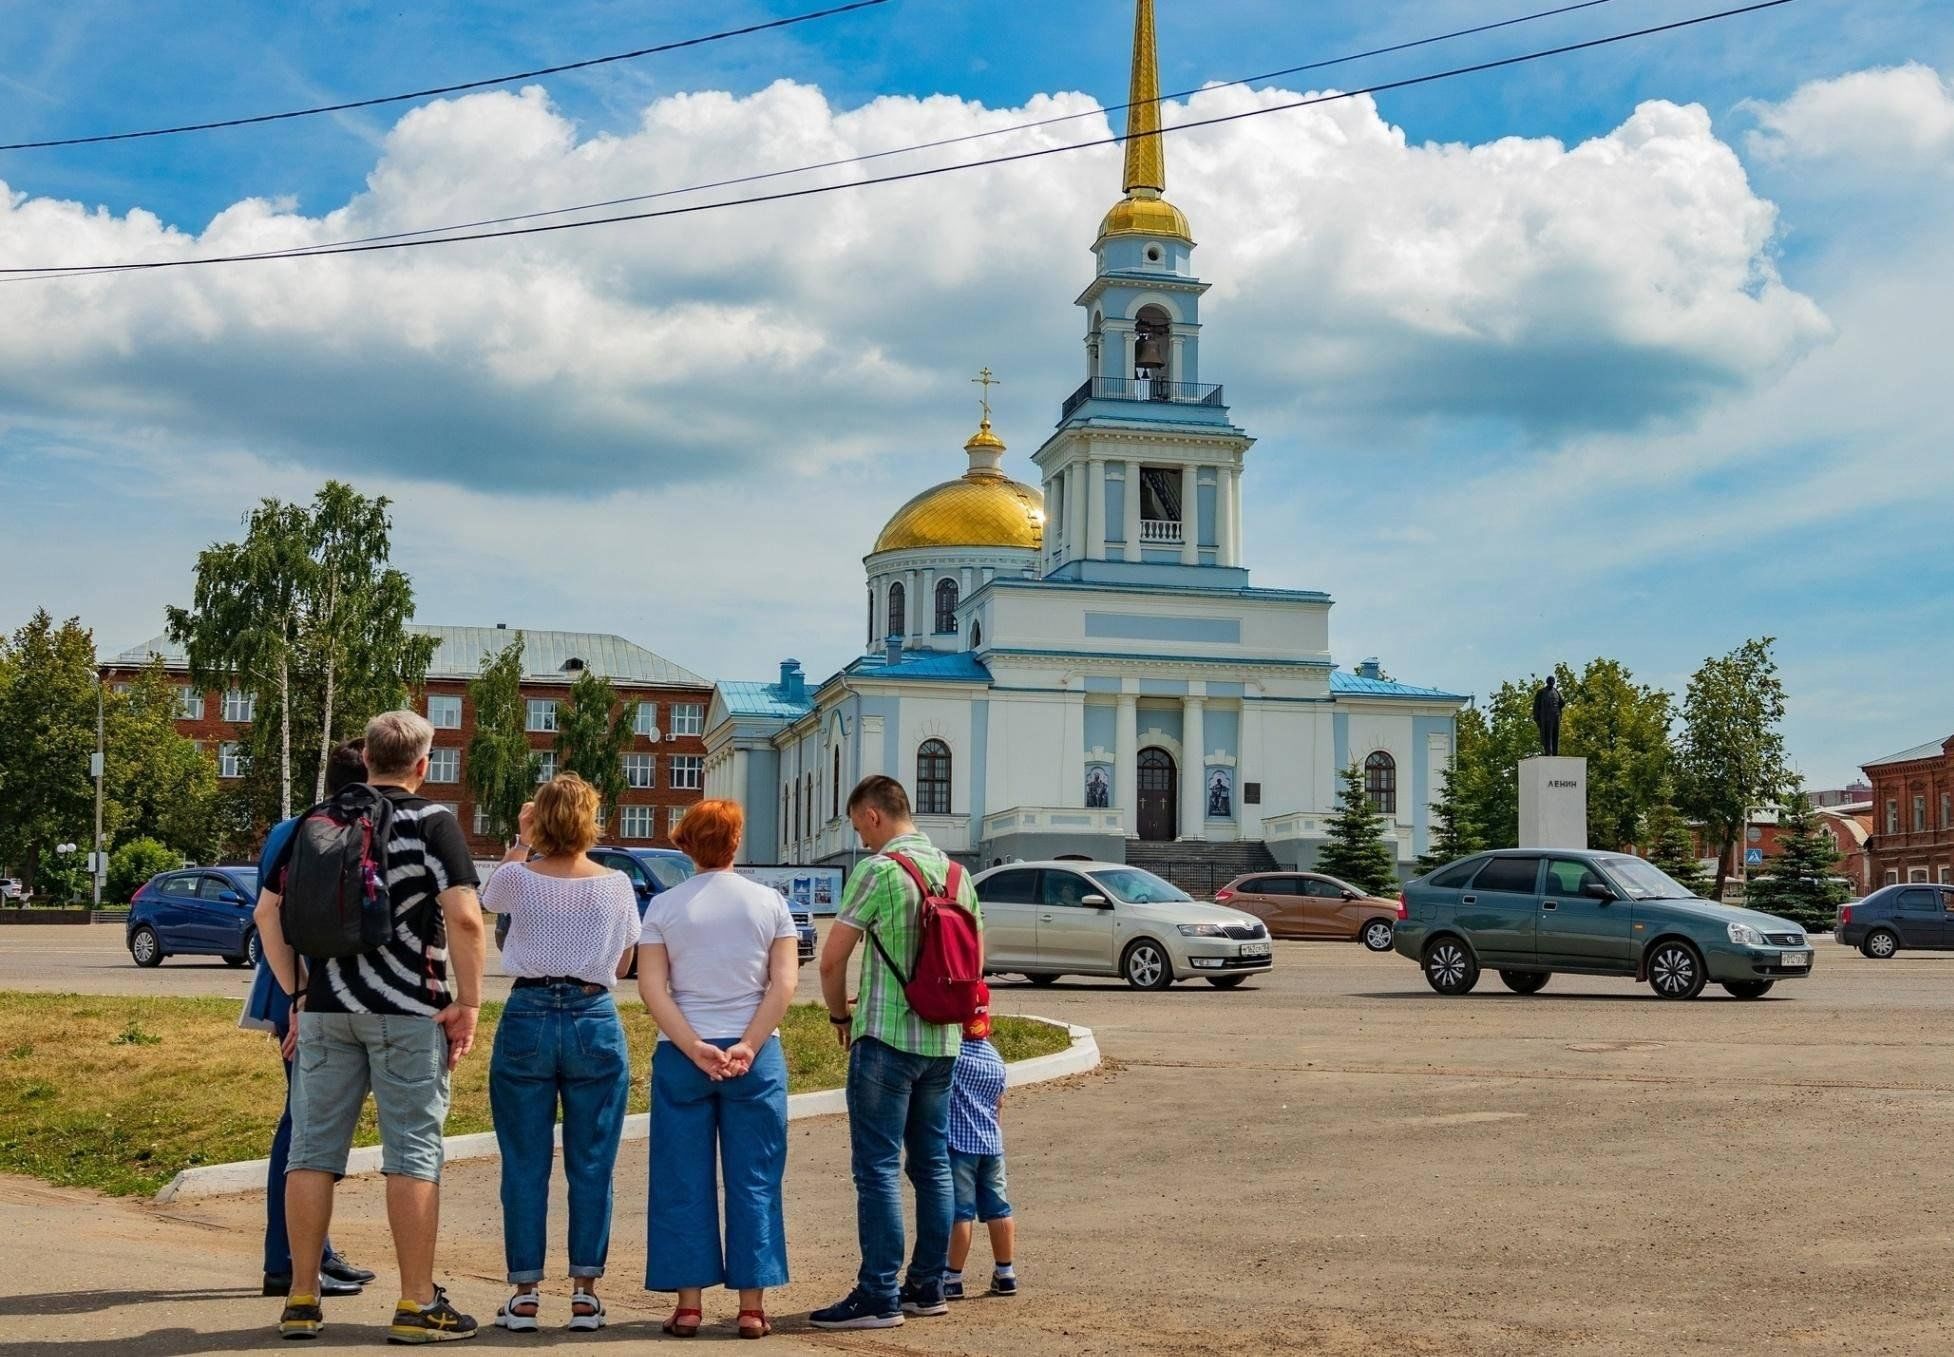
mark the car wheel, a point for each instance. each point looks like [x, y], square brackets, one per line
[1524, 982]
[1675, 971]
[1449, 967]
[1226, 981]
[253, 951]
[145, 947]
[1748, 989]
[236, 960]
[1377, 935]
[1880, 944]
[1042, 981]
[1147, 966]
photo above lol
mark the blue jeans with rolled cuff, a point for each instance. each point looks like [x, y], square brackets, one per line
[701, 1130]
[558, 1045]
[899, 1106]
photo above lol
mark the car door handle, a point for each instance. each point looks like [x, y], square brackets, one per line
[1550, 904]
[1044, 918]
[1468, 899]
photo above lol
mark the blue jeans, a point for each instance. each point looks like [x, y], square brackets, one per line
[558, 1044]
[698, 1129]
[899, 1102]
[278, 1248]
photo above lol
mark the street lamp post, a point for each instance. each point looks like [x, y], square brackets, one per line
[96, 866]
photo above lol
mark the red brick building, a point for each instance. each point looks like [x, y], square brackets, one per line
[1913, 814]
[664, 765]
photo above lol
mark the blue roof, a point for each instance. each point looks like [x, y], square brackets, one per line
[764, 699]
[1356, 685]
[958, 666]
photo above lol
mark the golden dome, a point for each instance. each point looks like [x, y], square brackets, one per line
[982, 508]
[1138, 216]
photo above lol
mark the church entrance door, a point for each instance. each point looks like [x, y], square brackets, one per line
[1159, 793]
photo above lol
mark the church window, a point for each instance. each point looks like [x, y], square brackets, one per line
[976, 634]
[946, 608]
[933, 778]
[1152, 353]
[797, 808]
[1381, 782]
[871, 615]
[834, 788]
[898, 610]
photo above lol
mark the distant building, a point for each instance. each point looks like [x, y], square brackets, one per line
[1913, 814]
[1851, 827]
[1855, 794]
[664, 764]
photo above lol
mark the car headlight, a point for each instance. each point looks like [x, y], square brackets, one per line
[1745, 936]
[1201, 930]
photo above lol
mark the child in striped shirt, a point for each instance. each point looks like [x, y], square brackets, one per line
[977, 1160]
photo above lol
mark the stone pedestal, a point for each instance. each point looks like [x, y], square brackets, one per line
[1553, 803]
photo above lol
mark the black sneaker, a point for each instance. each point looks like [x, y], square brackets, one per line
[953, 1288]
[280, 1284]
[337, 1269]
[925, 1298]
[438, 1322]
[857, 1311]
[1002, 1285]
[301, 1318]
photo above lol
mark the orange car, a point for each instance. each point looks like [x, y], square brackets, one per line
[1312, 905]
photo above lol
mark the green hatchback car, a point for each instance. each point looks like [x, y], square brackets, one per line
[1528, 913]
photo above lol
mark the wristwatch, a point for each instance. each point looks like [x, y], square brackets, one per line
[843, 1020]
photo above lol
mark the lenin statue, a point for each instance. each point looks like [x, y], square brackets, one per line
[1547, 704]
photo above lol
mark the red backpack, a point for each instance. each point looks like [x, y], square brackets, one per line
[947, 985]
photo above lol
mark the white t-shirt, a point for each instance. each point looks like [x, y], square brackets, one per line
[718, 930]
[578, 925]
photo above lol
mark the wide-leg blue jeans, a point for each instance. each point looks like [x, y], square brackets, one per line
[897, 1103]
[278, 1247]
[558, 1044]
[699, 1130]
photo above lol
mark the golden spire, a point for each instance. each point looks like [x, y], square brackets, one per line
[986, 449]
[1146, 159]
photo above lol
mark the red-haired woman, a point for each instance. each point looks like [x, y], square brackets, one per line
[717, 964]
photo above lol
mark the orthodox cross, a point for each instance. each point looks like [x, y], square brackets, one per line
[985, 380]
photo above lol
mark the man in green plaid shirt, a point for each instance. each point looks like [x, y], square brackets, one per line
[898, 1068]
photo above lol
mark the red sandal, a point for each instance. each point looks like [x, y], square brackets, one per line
[760, 1330]
[677, 1326]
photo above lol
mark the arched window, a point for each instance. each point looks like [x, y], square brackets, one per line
[898, 610]
[797, 809]
[1381, 782]
[871, 614]
[933, 778]
[834, 788]
[976, 634]
[946, 608]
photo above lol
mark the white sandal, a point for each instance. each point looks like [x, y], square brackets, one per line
[593, 1320]
[507, 1318]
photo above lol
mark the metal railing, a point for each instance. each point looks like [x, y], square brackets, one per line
[1142, 389]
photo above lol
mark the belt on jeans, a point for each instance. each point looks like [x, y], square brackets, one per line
[545, 981]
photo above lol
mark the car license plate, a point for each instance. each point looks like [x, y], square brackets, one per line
[1255, 949]
[1795, 960]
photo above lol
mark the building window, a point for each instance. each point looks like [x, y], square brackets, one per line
[871, 614]
[898, 610]
[674, 815]
[1892, 877]
[481, 821]
[240, 706]
[636, 822]
[946, 608]
[189, 704]
[444, 711]
[1919, 814]
[231, 760]
[688, 773]
[542, 714]
[688, 718]
[646, 720]
[1946, 875]
[976, 635]
[1892, 817]
[1381, 783]
[933, 778]
[1947, 810]
[1916, 874]
[797, 810]
[545, 765]
[640, 770]
[443, 765]
[834, 788]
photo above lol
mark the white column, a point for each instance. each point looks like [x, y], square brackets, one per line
[1176, 370]
[1190, 514]
[1075, 510]
[1096, 509]
[919, 606]
[1248, 768]
[1132, 508]
[1224, 517]
[1194, 788]
[1126, 771]
[1235, 516]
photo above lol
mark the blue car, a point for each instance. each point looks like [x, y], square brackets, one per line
[198, 911]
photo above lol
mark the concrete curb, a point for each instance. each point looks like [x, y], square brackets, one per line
[217, 1180]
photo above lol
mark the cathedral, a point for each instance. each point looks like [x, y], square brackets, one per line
[1084, 668]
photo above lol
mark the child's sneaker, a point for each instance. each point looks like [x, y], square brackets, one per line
[953, 1287]
[1004, 1283]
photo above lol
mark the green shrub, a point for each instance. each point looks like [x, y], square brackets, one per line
[135, 862]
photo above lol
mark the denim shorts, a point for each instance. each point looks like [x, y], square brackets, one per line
[402, 1060]
[980, 1186]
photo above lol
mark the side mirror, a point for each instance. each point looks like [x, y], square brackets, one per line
[643, 888]
[1598, 890]
[1351, 895]
[1095, 902]
[234, 898]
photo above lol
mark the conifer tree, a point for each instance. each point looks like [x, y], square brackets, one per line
[1799, 882]
[1667, 844]
[1452, 834]
[1357, 850]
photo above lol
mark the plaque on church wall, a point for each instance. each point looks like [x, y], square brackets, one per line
[1099, 786]
[1221, 793]
[1251, 793]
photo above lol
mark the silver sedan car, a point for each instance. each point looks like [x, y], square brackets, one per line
[1044, 920]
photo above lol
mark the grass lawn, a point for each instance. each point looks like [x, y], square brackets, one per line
[119, 1094]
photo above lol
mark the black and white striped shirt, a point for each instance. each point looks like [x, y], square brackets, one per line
[427, 853]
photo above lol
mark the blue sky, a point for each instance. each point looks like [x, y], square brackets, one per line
[1743, 464]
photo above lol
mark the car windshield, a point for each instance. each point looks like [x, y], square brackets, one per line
[1136, 887]
[1645, 882]
[669, 872]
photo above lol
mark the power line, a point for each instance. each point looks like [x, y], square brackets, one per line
[486, 83]
[69, 271]
[864, 158]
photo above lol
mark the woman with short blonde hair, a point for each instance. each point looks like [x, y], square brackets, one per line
[572, 926]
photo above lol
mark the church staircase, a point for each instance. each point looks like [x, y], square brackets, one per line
[1200, 869]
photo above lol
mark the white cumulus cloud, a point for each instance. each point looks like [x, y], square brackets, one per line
[1888, 121]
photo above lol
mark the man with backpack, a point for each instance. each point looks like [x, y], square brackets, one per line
[921, 979]
[376, 890]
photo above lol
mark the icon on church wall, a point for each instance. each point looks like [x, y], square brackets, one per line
[1099, 786]
[1221, 794]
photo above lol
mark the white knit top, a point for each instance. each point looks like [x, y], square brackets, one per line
[577, 926]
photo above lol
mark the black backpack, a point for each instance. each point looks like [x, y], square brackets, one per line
[335, 902]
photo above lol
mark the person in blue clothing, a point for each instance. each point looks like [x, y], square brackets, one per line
[977, 1161]
[269, 1010]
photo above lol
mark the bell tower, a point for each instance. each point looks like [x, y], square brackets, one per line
[1143, 475]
